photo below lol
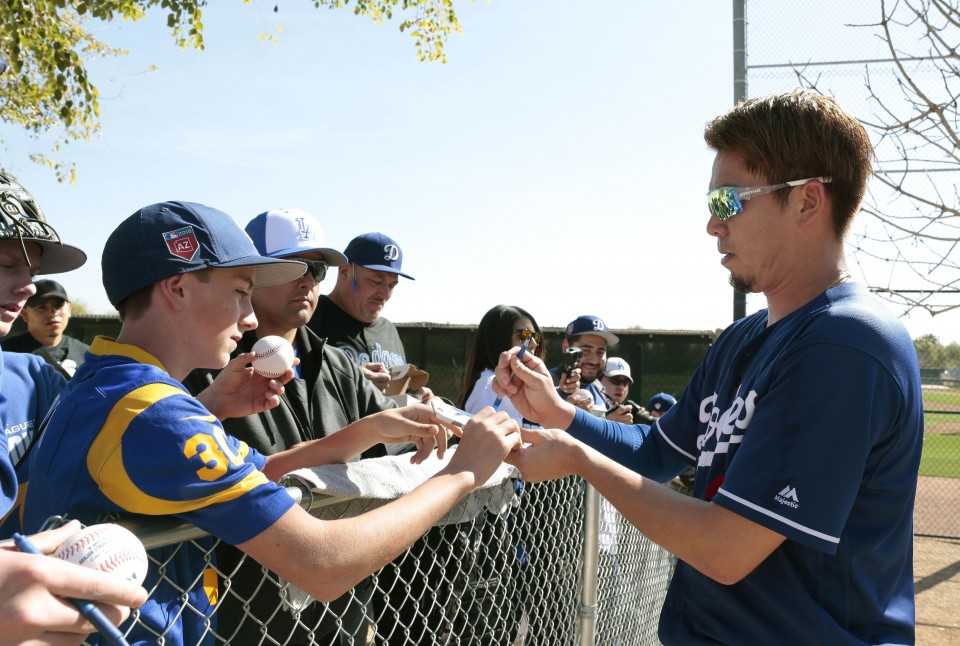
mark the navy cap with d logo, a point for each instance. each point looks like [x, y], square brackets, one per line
[170, 238]
[589, 324]
[376, 251]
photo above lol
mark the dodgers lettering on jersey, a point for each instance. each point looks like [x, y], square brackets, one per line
[723, 429]
[377, 355]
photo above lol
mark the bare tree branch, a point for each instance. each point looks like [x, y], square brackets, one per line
[911, 237]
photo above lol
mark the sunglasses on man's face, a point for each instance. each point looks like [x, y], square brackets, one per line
[525, 334]
[316, 268]
[727, 201]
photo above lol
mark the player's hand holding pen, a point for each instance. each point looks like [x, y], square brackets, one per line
[529, 385]
[34, 591]
[527, 337]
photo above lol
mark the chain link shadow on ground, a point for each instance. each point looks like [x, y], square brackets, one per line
[936, 560]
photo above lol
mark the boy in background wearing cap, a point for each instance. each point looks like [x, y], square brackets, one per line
[349, 318]
[592, 336]
[327, 393]
[125, 436]
[617, 380]
[660, 404]
[32, 588]
[47, 314]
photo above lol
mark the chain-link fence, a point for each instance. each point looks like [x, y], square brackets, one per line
[939, 486]
[514, 563]
[661, 361]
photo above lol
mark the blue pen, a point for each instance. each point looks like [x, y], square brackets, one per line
[523, 349]
[111, 634]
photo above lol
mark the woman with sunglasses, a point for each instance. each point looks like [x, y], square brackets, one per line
[501, 328]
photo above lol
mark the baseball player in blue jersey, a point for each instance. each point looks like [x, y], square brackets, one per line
[800, 527]
[32, 589]
[126, 436]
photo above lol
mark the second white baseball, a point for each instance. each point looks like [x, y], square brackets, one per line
[109, 548]
[274, 356]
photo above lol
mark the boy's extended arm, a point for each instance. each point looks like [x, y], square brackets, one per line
[411, 424]
[328, 557]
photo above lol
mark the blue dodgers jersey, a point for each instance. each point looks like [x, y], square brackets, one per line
[28, 388]
[813, 428]
[126, 437]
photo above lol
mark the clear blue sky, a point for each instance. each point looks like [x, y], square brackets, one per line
[555, 162]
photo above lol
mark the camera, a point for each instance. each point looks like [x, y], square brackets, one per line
[640, 415]
[571, 360]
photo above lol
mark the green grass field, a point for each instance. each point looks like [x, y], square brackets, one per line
[941, 456]
[941, 440]
[946, 399]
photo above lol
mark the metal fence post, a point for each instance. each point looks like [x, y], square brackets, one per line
[591, 557]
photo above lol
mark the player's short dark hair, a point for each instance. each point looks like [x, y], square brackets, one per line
[796, 135]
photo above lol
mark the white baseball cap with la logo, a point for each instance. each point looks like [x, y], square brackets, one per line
[287, 232]
[617, 367]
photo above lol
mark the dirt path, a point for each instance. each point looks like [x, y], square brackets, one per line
[936, 575]
[936, 561]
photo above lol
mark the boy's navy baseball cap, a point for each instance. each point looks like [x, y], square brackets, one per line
[376, 251]
[661, 402]
[170, 238]
[287, 232]
[588, 324]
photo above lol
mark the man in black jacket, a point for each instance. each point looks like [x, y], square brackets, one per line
[327, 393]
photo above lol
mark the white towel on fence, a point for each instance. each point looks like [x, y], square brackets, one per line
[380, 480]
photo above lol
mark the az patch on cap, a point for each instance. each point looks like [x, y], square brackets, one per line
[182, 243]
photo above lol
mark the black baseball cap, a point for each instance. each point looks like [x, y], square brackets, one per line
[47, 289]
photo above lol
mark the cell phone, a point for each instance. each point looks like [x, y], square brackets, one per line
[449, 414]
[571, 360]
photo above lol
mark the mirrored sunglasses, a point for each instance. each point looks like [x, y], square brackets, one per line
[727, 201]
[526, 333]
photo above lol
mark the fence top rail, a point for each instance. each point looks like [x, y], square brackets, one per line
[374, 481]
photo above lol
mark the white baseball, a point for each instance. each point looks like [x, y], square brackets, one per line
[274, 356]
[108, 548]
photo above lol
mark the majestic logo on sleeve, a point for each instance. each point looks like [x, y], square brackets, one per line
[788, 497]
[182, 243]
[724, 428]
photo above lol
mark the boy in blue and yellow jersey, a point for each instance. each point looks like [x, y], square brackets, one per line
[126, 435]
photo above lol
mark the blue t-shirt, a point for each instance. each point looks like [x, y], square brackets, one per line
[813, 428]
[28, 388]
[126, 437]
